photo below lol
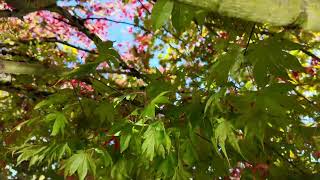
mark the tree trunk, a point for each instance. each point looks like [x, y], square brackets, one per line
[304, 13]
[12, 67]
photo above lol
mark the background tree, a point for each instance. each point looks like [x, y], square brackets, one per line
[205, 90]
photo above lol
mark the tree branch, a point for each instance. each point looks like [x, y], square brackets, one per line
[285, 159]
[12, 67]
[310, 54]
[275, 12]
[54, 40]
[13, 53]
[110, 71]
[120, 22]
[79, 100]
[79, 23]
[144, 7]
[250, 36]
[24, 7]
[313, 104]
[204, 138]
[11, 88]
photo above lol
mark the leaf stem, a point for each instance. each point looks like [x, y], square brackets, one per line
[78, 98]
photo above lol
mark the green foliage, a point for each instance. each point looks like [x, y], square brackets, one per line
[105, 112]
[37, 154]
[81, 162]
[274, 63]
[180, 173]
[83, 70]
[55, 99]
[105, 157]
[224, 65]
[124, 142]
[59, 122]
[224, 132]
[149, 111]
[182, 16]
[107, 53]
[161, 13]
[156, 140]
[190, 155]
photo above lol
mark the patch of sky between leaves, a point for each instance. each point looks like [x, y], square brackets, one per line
[308, 121]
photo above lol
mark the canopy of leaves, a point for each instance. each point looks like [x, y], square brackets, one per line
[202, 89]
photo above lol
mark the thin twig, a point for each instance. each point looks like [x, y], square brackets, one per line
[55, 40]
[114, 71]
[270, 147]
[121, 22]
[310, 54]
[305, 98]
[62, 20]
[106, 84]
[78, 98]
[70, 45]
[250, 36]
[78, 23]
[132, 70]
[144, 7]
[286, 159]
[134, 102]
[204, 138]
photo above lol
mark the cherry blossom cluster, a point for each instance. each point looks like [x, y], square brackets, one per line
[95, 14]
[82, 86]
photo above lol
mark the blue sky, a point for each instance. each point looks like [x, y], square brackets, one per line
[119, 33]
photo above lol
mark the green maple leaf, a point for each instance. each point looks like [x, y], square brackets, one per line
[104, 156]
[59, 124]
[275, 62]
[181, 16]
[124, 142]
[82, 70]
[57, 98]
[189, 154]
[181, 173]
[161, 13]
[224, 132]
[81, 163]
[107, 53]
[104, 111]
[225, 65]
[156, 140]
[150, 110]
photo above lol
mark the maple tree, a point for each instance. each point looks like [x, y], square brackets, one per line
[233, 93]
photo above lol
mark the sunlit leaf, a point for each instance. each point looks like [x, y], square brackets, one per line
[161, 13]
